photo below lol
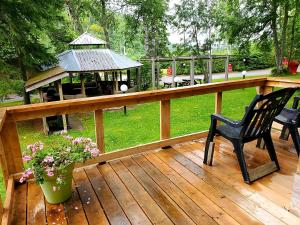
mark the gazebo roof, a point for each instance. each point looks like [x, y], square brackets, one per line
[88, 60]
[87, 39]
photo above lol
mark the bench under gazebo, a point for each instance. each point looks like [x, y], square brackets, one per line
[86, 69]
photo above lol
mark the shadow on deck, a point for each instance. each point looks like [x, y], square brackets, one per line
[170, 186]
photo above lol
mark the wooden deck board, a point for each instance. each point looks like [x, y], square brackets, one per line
[170, 186]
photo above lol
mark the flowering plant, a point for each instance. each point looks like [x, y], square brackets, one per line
[51, 160]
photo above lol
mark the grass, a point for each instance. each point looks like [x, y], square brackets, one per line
[141, 124]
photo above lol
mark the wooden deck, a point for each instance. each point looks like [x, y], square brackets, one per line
[170, 186]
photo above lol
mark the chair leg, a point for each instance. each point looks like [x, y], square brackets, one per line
[270, 147]
[296, 139]
[238, 147]
[209, 147]
[284, 135]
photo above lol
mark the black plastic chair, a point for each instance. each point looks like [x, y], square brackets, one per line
[256, 123]
[290, 119]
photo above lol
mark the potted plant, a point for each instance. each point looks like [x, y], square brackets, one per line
[52, 164]
[293, 66]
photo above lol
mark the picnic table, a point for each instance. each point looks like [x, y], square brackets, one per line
[182, 82]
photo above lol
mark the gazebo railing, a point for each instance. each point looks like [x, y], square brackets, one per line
[10, 150]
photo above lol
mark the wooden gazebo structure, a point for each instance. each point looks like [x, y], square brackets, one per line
[87, 57]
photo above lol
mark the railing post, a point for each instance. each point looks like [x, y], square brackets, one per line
[99, 129]
[11, 147]
[218, 103]
[165, 117]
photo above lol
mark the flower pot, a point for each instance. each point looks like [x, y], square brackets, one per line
[293, 66]
[55, 194]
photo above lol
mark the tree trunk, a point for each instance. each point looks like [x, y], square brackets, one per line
[24, 77]
[291, 52]
[275, 36]
[284, 28]
[104, 23]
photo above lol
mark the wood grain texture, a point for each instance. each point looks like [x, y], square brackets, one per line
[35, 205]
[11, 146]
[99, 130]
[8, 203]
[165, 119]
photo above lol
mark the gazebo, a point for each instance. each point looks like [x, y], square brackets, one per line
[101, 71]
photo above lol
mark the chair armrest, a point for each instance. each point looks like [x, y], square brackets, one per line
[296, 102]
[225, 120]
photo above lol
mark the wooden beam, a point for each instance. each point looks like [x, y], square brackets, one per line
[26, 112]
[153, 73]
[8, 204]
[165, 116]
[99, 129]
[141, 148]
[61, 97]
[45, 124]
[262, 171]
[173, 72]
[192, 71]
[11, 146]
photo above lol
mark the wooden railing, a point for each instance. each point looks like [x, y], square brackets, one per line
[10, 151]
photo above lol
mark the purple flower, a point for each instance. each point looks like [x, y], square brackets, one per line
[26, 158]
[25, 175]
[95, 152]
[50, 173]
[48, 159]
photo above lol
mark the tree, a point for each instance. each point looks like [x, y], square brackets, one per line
[27, 30]
[271, 20]
[148, 18]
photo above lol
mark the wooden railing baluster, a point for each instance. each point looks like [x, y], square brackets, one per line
[218, 103]
[99, 129]
[165, 117]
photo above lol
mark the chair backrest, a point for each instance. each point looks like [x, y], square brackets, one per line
[262, 111]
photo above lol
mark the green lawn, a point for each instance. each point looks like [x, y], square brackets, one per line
[141, 124]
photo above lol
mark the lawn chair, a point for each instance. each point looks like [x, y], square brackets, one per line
[290, 119]
[256, 123]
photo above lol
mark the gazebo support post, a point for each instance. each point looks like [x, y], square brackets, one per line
[128, 78]
[45, 124]
[173, 71]
[116, 81]
[121, 76]
[226, 67]
[138, 72]
[153, 73]
[192, 71]
[61, 97]
[210, 69]
[71, 77]
[158, 73]
[82, 85]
